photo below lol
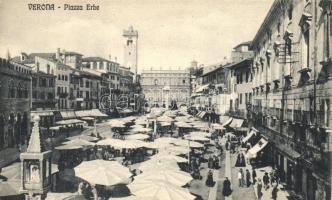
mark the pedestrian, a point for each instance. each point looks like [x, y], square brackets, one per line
[274, 192]
[226, 191]
[259, 189]
[248, 178]
[210, 162]
[242, 178]
[266, 180]
[209, 181]
[253, 175]
[239, 177]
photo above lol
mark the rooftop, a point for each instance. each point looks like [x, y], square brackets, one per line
[248, 43]
[94, 59]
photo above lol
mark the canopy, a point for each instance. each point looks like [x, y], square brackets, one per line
[90, 113]
[165, 118]
[252, 153]
[176, 150]
[162, 190]
[87, 118]
[55, 127]
[103, 172]
[196, 138]
[175, 177]
[250, 134]
[121, 144]
[79, 142]
[67, 114]
[83, 137]
[236, 123]
[68, 147]
[225, 120]
[70, 121]
[138, 137]
[200, 89]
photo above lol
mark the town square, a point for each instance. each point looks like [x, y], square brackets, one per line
[166, 100]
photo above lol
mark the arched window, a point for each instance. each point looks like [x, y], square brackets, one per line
[19, 91]
[11, 89]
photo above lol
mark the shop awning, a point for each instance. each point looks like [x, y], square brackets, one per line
[202, 114]
[195, 94]
[90, 113]
[200, 89]
[67, 114]
[70, 121]
[228, 122]
[288, 151]
[87, 118]
[236, 123]
[250, 134]
[252, 153]
[55, 127]
[197, 115]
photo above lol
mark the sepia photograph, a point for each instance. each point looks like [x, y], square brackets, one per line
[165, 99]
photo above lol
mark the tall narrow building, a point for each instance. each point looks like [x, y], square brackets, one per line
[130, 49]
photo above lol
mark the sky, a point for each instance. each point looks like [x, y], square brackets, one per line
[172, 33]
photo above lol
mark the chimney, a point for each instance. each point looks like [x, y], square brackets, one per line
[110, 57]
[57, 55]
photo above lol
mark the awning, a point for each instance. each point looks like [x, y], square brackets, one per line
[90, 113]
[195, 95]
[202, 114]
[70, 121]
[288, 151]
[252, 153]
[228, 122]
[42, 113]
[236, 123]
[55, 127]
[200, 89]
[88, 118]
[197, 115]
[250, 134]
[223, 119]
[67, 114]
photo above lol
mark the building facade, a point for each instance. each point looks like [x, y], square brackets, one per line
[292, 93]
[161, 87]
[126, 80]
[241, 52]
[15, 90]
[240, 82]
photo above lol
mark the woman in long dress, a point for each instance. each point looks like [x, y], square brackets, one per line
[226, 191]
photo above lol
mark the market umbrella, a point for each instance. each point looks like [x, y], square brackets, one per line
[141, 121]
[169, 157]
[121, 144]
[84, 137]
[141, 130]
[176, 150]
[137, 126]
[165, 119]
[165, 124]
[196, 138]
[175, 177]
[138, 137]
[162, 190]
[158, 164]
[103, 172]
[184, 125]
[200, 133]
[9, 188]
[116, 123]
[68, 147]
[79, 142]
[192, 144]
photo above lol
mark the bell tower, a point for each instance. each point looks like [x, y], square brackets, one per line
[130, 49]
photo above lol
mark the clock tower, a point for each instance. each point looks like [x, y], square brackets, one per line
[130, 49]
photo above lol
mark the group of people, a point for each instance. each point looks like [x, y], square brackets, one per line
[244, 178]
